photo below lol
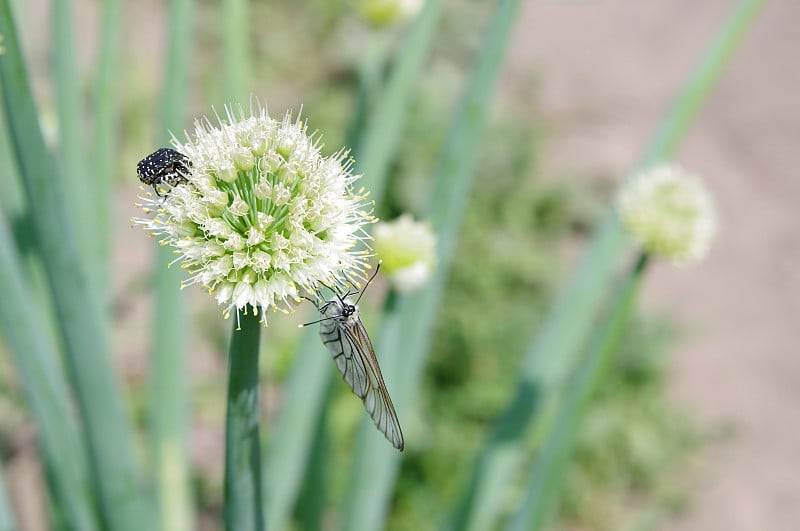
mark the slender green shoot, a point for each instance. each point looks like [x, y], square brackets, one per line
[313, 496]
[104, 143]
[707, 73]
[548, 470]
[108, 433]
[168, 376]
[243, 497]
[12, 200]
[312, 371]
[7, 522]
[384, 128]
[37, 360]
[236, 50]
[81, 201]
[369, 74]
[552, 354]
[404, 341]
[293, 437]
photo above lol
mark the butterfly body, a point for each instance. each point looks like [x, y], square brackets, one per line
[346, 339]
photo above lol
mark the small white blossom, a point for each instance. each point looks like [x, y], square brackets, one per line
[262, 217]
[669, 212]
[381, 13]
[407, 249]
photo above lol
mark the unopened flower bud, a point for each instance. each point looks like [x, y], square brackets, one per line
[407, 249]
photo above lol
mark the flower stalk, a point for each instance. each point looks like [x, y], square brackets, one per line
[242, 448]
[169, 408]
[260, 218]
[547, 472]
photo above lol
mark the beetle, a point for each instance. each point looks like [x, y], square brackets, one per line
[164, 166]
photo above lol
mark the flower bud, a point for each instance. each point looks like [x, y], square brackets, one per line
[407, 249]
[382, 13]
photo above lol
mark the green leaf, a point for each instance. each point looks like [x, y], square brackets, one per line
[293, 437]
[370, 71]
[81, 323]
[169, 415]
[547, 471]
[405, 339]
[553, 352]
[104, 144]
[311, 505]
[236, 50]
[312, 371]
[6, 517]
[37, 361]
[80, 202]
[386, 124]
[12, 200]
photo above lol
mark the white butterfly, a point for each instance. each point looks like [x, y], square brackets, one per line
[344, 336]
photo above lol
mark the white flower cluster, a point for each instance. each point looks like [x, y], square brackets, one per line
[263, 217]
[407, 249]
[670, 212]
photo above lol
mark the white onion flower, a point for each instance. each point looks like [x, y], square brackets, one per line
[381, 13]
[669, 212]
[261, 218]
[407, 249]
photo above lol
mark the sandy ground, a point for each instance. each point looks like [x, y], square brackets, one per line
[608, 68]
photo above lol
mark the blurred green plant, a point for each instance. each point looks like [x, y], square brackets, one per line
[6, 517]
[632, 451]
[84, 336]
[473, 321]
[168, 385]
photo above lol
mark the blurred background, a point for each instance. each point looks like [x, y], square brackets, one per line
[696, 427]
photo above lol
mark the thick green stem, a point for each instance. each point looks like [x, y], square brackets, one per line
[242, 451]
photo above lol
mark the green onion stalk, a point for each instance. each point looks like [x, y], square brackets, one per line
[260, 219]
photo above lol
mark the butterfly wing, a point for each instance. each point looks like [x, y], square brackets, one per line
[354, 356]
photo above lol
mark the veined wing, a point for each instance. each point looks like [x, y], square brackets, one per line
[352, 350]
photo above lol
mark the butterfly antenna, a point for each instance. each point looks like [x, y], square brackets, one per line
[377, 268]
[317, 321]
